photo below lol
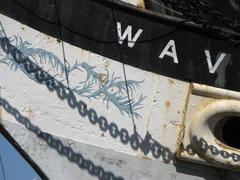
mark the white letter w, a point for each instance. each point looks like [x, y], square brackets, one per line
[127, 33]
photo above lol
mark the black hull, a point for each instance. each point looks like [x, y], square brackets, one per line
[91, 25]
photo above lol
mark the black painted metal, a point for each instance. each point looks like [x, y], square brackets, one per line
[89, 24]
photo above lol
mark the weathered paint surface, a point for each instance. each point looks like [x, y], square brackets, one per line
[87, 139]
[206, 107]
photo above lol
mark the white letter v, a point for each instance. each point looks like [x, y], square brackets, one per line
[220, 58]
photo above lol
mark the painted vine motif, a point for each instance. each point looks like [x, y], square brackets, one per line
[112, 89]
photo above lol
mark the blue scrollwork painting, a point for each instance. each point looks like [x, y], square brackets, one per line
[110, 88]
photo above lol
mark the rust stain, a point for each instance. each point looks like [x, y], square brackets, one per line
[29, 113]
[226, 147]
[170, 92]
[204, 103]
[180, 146]
[167, 104]
[141, 4]
[144, 157]
[181, 134]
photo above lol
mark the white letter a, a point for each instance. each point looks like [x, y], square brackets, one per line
[172, 53]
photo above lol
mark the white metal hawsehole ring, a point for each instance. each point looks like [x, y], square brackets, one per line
[202, 133]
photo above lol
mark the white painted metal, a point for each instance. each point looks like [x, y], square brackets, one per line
[201, 128]
[206, 107]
